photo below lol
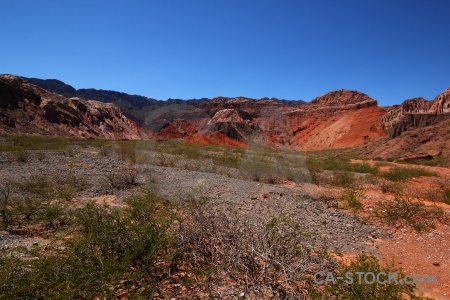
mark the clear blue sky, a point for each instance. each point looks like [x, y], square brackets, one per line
[389, 49]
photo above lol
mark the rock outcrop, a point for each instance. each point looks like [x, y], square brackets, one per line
[338, 119]
[414, 113]
[26, 108]
[335, 120]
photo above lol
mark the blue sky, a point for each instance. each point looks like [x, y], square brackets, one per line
[291, 49]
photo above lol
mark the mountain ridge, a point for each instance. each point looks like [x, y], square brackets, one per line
[337, 119]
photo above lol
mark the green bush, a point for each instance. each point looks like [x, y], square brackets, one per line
[447, 196]
[401, 174]
[343, 178]
[127, 150]
[112, 251]
[33, 142]
[122, 178]
[335, 163]
[358, 290]
[404, 210]
[351, 199]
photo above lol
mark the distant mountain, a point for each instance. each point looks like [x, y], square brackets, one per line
[54, 85]
[135, 107]
[337, 119]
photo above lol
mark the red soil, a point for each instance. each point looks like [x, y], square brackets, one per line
[215, 139]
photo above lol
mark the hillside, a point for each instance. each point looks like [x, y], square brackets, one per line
[135, 107]
[26, 108]
[338, 119]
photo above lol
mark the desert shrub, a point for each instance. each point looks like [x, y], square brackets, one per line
[351, 199]
[335, 163]
[261, 171]
[54, 215]
[446, 196]
[269, 256]
[254, 170]
[105, 151]
[401, 174]
[112, 252]
[273, 168]
[37, 201]
[343, 178]
[21, 155]
[226, 159]
[393, 187]
[39, 186]
[340, 289]
[40, 155]
[53, 186]
[165, 160]
[329, 200]
[126, 150]
[442, 194]
[96, 143]
[122, 178]
[6, 209]
[32, 142]
[403, 210]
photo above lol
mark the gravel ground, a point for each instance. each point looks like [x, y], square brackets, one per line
[250, 200]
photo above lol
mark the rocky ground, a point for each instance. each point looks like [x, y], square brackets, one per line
[253, 200]
[340, 231]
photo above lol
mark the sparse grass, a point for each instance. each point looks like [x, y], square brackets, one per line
[401, 174]
[351, 199]
[111, 251]
[360, 289]
[21, 155]
[122, 178]
[343, 178]
[95, 143]
[336, 163]
[435, 161]
[404, 211]
[32, 142]
[447, 196]
[37, 200]
[126, 150]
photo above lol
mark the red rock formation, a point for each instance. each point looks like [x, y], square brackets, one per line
[215, 139]
[177, 129]
[335, 120]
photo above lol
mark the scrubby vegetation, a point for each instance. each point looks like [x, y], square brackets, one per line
[404, 210]
[192, 243]
[400, 174]
[359, 289]
[151, 244]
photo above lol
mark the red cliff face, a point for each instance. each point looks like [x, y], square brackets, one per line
[25, 108]
[335, 120]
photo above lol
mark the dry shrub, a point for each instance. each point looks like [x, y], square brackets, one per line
[122, 178]
[260, 257]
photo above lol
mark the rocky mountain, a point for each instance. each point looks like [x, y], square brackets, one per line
[417, 128]
[26, 108]
[338, 119]
[415, 113]
[335, 120]
[135, 107]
